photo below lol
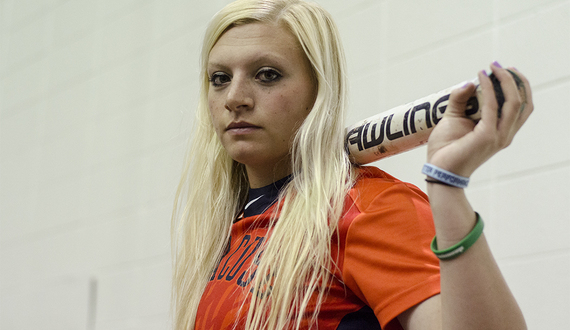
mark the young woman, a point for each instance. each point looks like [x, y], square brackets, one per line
[275, 229]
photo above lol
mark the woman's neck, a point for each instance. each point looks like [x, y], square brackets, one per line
[261, 176]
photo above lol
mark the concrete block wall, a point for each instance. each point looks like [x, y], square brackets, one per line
[96, 102]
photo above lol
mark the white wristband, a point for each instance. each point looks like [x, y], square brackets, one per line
[445, 176]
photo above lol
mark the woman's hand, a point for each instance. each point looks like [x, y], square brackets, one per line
[460, 145]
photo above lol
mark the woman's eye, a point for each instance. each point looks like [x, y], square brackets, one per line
[268, 75]
[218, 79]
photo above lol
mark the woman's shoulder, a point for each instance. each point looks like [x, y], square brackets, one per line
[373, 186]
[372, 173]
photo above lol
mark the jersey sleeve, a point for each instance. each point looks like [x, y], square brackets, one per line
[387, 260]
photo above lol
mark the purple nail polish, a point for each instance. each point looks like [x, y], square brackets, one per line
[497, 64]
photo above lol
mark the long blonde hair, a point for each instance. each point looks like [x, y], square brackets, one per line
[214, 187]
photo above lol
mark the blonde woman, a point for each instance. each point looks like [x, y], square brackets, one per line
[275, 229]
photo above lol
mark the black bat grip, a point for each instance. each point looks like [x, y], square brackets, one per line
[499, 96]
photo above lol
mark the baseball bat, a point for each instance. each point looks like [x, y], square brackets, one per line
[408, 126]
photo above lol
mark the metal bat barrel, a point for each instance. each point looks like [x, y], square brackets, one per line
[407, 126]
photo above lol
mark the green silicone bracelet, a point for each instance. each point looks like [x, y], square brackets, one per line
[456, 250]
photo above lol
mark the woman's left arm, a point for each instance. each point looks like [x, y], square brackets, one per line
[474, 294]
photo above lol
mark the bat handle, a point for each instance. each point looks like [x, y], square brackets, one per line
[499, 96]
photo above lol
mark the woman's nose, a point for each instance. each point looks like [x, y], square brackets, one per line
[240, 95]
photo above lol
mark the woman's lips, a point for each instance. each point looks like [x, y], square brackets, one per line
[241, 127]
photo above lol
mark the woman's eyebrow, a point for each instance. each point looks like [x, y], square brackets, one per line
[216, 65]
[254, 60]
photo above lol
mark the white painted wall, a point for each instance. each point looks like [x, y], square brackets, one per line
[96, 101]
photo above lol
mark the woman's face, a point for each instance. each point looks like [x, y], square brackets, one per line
[261, 90]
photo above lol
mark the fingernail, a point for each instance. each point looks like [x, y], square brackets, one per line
[497, 65]
[465, 85]
[484, 72]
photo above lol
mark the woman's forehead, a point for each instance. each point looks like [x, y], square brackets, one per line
[255, 39]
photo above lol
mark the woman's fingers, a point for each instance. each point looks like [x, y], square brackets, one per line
[458, 100]
[515, 110]
[489, 106]
[510, 112]
[526, 97]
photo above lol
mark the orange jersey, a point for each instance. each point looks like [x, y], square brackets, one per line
[384, 263]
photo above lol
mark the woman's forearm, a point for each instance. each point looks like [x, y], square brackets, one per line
[474, 294]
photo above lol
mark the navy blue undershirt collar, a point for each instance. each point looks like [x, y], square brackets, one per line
[260, 199]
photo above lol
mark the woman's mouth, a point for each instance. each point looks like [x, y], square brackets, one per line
[241, 127]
